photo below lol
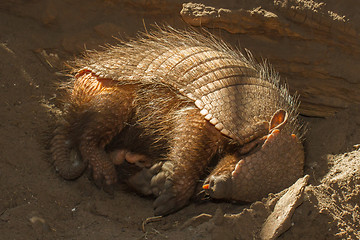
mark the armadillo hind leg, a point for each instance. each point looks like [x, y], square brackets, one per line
[176, 182]
[95, 119]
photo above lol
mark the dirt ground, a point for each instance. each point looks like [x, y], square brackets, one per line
[36, 38]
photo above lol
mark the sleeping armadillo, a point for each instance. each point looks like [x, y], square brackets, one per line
[184, 106]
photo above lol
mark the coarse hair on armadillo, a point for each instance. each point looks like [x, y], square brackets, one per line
[147, 60]
[291, 102]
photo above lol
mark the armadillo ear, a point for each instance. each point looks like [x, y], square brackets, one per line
[279, 119]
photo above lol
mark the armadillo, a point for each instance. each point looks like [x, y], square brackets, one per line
[186, 107]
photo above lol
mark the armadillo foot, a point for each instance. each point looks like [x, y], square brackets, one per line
[167, 201]
[173, 189]
[141, 181]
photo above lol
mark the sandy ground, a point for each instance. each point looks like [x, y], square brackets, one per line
[36, 38]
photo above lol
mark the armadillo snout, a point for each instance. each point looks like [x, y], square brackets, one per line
[218, 187]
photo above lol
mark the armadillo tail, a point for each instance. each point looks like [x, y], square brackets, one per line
[66, 158]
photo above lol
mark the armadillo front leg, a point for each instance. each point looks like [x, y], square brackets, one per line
[194, 142]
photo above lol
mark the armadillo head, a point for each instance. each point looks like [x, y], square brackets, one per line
[273, 165]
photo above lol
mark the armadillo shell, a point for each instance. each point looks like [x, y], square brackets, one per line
[232, 92]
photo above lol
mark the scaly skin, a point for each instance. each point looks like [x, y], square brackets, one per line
[173, 101]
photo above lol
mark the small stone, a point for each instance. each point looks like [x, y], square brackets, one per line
[39, 224]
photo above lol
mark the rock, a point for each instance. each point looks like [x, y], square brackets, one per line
[280, 219]
[266, 219]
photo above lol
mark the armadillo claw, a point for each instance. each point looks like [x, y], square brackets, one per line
[159, 177]
[141, 181]
[157, 183]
